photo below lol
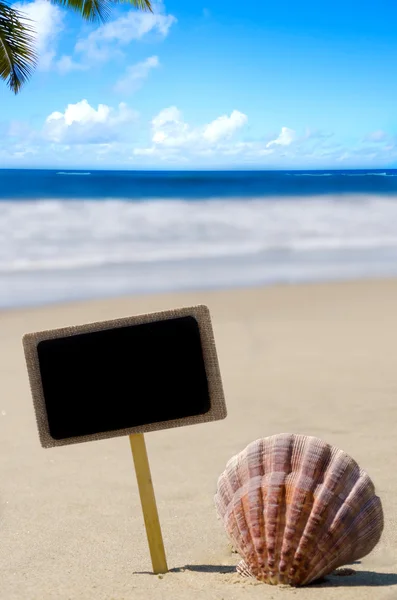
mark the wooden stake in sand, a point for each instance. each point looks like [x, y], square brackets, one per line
[148, 501]
[160, 370]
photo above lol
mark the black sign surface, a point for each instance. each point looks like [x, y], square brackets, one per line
[123, 377]
[137, 374]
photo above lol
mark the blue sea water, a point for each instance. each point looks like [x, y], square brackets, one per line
[189, 185]
[83, 234]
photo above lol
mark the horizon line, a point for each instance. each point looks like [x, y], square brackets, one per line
[191, 170]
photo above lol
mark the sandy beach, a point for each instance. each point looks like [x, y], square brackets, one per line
[317, 359]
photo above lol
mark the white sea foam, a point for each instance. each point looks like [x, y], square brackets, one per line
[313, 174]
[369, 174]
[53, 244]
[73, 234]
[73, 173]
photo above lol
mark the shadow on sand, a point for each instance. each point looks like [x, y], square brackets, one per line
[357, 579]
[353, 579]
[196, 568]
[206, 569]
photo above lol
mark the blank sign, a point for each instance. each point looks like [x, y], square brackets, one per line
[118, 377]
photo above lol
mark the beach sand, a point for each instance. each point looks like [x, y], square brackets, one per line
[313, 359]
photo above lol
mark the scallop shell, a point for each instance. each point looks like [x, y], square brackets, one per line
[296, 508]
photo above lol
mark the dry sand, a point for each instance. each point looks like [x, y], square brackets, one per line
[314, 359]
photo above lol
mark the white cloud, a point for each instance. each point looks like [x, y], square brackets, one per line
[105, 135]
[166, 116]
[18, 130]
[315, 134]
[103, 42]
[101, 45]
[66, 64]
[169, 129]
[264, 151]
[135, 75]
[48, 23]
[376, 136]
[170, 132]
[286, 137]
[82, 123]
[224, 127]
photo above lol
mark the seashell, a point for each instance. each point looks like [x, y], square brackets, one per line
[296, 508]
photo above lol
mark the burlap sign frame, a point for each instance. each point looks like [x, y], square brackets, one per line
[200, 313]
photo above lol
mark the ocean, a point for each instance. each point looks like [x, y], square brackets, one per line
[69, 235]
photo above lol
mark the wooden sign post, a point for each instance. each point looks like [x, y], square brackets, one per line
[126, 377]
[148, 501]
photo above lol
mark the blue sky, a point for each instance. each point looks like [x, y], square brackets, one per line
[203, 84]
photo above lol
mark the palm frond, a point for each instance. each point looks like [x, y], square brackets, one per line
[99, 10]
[17, 54]
[144, 5]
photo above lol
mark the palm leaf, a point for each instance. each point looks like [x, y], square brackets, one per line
[99, 10]
[17, 55]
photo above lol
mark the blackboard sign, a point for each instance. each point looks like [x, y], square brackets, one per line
[130, 375]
